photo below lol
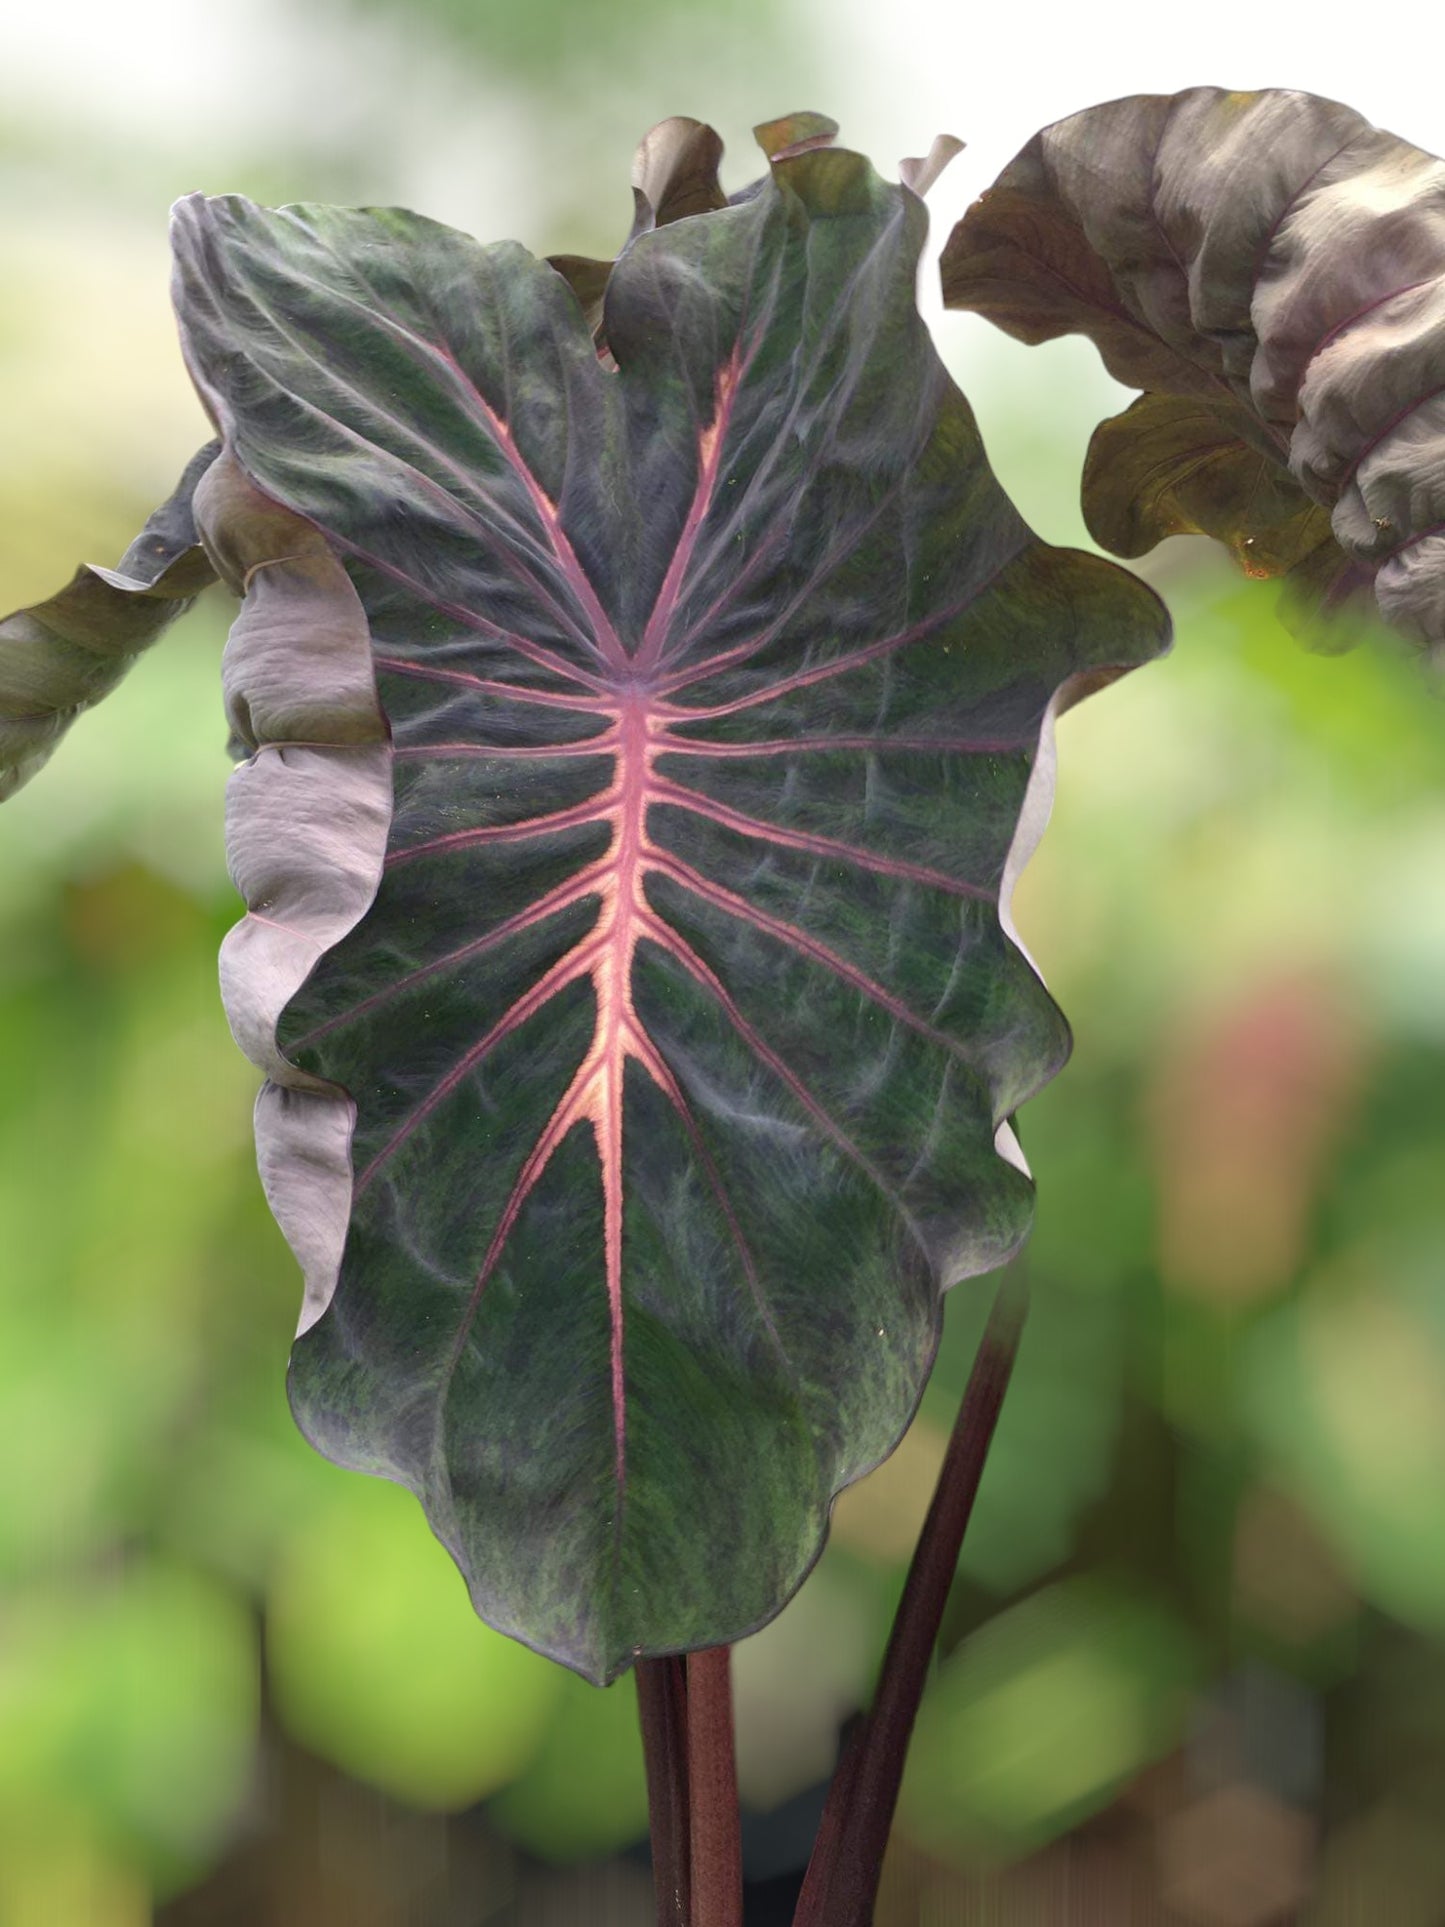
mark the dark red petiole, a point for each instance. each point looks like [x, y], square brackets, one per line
[842, 1880]
[662, 1708]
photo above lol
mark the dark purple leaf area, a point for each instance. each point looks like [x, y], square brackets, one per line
[683, 1024]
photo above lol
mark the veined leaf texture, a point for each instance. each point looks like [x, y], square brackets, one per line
[643, 690]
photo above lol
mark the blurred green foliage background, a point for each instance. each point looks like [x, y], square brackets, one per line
[1194, 1666]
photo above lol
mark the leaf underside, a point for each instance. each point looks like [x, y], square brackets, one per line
[1270, 269]
[59, 657]
[682, 1025]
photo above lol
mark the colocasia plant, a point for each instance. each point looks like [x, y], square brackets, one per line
[642, 693]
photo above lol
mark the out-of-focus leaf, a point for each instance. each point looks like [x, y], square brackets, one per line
[123, 1150]
[53, 1868]
[1036, 1720]
[61, 656]
[133, 1706]
[167, 1747]
[585, 1792]
[1347, 1390]
[1247, 1107]
[683, 1025]
[378, 1664]
[1268, 268]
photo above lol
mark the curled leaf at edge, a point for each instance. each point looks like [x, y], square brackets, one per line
[61, 656]
[1268, 268]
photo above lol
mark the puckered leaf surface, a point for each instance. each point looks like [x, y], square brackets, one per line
[61, 656]
[677, 1021]
[1270, 269]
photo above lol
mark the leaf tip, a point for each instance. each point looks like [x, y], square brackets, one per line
[918, 175]
[794, 134]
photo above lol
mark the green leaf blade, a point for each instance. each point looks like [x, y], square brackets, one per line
[682, 1026]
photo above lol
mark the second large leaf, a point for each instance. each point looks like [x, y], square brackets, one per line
[683, 1025]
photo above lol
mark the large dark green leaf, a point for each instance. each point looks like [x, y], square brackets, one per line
[681, 1037]
[61, 656]
[1268, 268]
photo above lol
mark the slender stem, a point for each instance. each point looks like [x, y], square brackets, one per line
[842, 1880]
[829, 1839]
[717, 1873]
[662, 1708]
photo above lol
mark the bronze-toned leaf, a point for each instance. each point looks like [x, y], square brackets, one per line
[587, 278]
[61, 656]
[920, 174]
[1268, 268]
[1176, 465]
[674, 173]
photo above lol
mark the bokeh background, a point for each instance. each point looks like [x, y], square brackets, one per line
[1194, 1665]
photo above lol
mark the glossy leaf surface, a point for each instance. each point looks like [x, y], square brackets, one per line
[60, 656]
[683, 1031]
[1268, 268]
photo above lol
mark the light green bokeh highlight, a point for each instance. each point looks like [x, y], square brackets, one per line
[1040, 1717]
[379, 1664]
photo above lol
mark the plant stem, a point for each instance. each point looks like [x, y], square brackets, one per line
[842, 1879]
[828, 1842]
[662, 1708]
[717, 1876]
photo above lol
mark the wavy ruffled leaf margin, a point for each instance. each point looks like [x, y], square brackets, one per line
[644, 746]
[60, 657]
[1270, 269]
[675, 175]
[307, 815]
